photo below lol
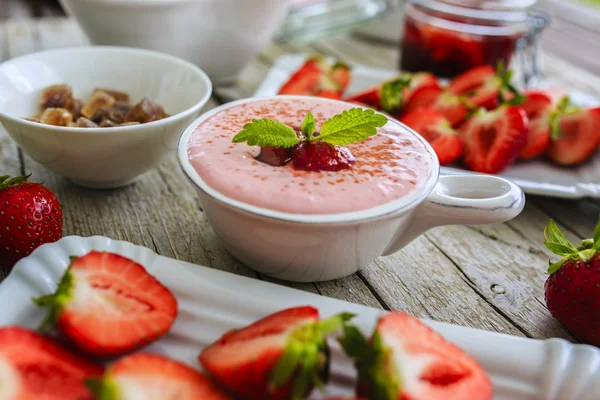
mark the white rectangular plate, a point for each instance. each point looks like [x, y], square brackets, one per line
[212, 302]
[534, 177]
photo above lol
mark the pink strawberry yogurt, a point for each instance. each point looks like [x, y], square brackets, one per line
[388, 166]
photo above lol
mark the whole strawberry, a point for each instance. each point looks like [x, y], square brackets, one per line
[573, 287]
[30, 215]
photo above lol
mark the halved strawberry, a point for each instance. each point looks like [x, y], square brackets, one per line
[578, 136]
[317, 77]
[538, 108]
[392, 95]
[493, 139]
[407, 360]
[485, 87]
[436, 129]
[151, 376]
[434, 97]
[33, 367]
[107, 305]
[281, 356]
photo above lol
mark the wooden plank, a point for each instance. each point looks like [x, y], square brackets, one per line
[509, 278]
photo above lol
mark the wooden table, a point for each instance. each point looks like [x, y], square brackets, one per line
[489, 277]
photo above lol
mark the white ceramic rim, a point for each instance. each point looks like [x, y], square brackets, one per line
[119, 49]
[384, 210]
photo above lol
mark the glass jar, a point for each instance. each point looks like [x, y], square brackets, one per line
[448, 37]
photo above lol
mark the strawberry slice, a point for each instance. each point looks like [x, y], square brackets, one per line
[317, 77]
[538, 107]
[33, 367]
[151, 376]
[485, 87]
[406, 360]
[107, 305]
[390, 96]
[281, 356]
[578, 135]
[436, 129]
[493, 139]
[452, 107]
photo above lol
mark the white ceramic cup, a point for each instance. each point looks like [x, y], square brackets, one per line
[101, 157]
[220, 36]
[308, 248]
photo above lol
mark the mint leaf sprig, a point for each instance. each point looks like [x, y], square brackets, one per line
[351, 126]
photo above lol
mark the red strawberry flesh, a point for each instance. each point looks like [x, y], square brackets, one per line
[108, 305]
[33, 367]
[321, 156]
[152, 376]
[436, 129]
[406, 359]
[480, 85]
[493, 139]
[278, 357]
[579, 139]
[538, 108]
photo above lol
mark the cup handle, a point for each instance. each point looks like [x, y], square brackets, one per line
[461, 200]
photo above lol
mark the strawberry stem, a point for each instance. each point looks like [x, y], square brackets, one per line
[6, 181]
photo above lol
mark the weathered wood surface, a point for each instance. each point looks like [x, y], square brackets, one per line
[488, 277]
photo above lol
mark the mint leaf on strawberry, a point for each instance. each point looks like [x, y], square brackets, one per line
[266, 132]
[309, 125]
[351, 126]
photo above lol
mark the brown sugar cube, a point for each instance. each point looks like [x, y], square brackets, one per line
[118, 95]
[145, 111]
[56, 116]
[83, 122]
[110, 114]
[122, 106]
[57, 96]
[97, 101]
[75, 109]
[107, 123]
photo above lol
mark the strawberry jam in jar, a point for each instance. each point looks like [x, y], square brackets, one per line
[448, 37]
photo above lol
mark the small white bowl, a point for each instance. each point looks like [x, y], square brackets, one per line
[321, 247]
[220, 36]
[101, 157]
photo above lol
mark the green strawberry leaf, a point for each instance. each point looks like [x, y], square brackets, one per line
[556, 242]
[332, 324]
[55, 301]
[586, 255]
[287, 364]
[597, 236]
[266, 132]
[392, 95]
[556, 266]
[351, 126]
[354, 343]
[309, 126]
[102, 388]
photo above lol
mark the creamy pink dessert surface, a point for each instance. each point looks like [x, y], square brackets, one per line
[388, 166]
